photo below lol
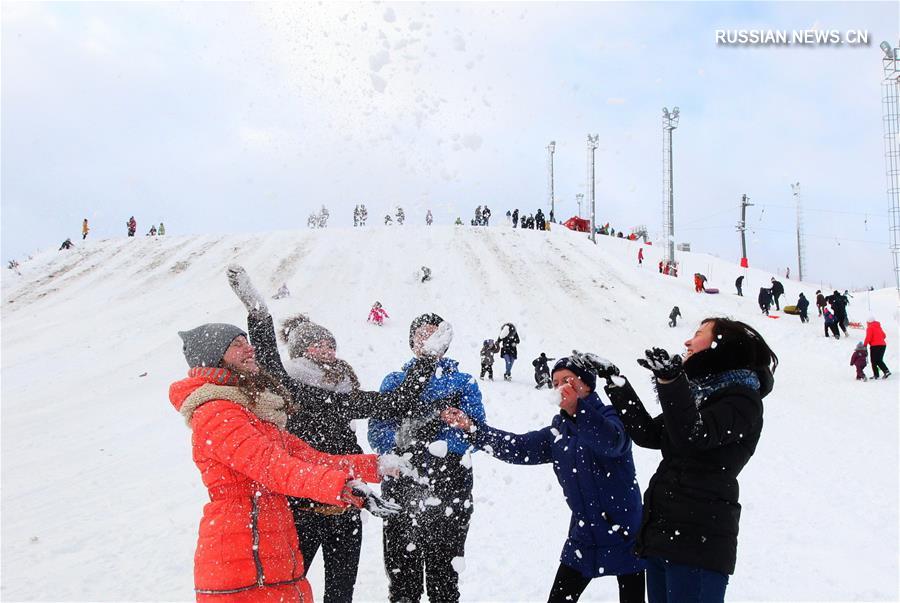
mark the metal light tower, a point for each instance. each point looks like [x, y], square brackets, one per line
[579, 198]
[890, 105]
[800, 248]
[669, 123]
[592, 143]
[552, 149]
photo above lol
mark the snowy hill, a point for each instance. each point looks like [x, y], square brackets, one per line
[100, 499]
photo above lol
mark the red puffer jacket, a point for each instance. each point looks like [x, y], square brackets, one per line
[874, 334]
[247, 547]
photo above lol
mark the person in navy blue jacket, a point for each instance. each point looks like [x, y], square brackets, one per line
[438, 501]
[591, 456]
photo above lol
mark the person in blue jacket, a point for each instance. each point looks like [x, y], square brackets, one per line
[591, 456]
[438, 500]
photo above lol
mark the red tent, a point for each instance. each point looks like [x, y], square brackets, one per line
[578, 224]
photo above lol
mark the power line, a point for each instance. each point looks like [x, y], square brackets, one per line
[830, 211]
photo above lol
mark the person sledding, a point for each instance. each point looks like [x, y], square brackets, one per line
[377, 314]
[542, 371]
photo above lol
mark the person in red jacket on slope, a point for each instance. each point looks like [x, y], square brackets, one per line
[875, 339]
[247, 549]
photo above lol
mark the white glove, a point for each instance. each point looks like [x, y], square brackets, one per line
[244, 289]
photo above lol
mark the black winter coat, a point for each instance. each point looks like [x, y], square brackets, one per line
[508, 344]
[777, 288]
[691, 509]
[765, 296]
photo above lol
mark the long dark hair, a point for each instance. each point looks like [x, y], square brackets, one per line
[739, 338]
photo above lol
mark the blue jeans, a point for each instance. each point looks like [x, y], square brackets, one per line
[669, 582]
[509, 362]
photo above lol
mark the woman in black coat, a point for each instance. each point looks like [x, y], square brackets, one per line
[325, 397]
[712, 417]
[508, 339]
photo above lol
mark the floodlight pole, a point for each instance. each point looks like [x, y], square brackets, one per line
[796, 190]
[579, 198]
[552, 149]
[669, 123]
[890, 105]
[592, 146]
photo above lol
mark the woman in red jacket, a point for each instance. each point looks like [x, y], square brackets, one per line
[247, 548]
[875, 339]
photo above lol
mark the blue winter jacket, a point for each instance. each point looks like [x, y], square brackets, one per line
[446, 382]
[592, 459]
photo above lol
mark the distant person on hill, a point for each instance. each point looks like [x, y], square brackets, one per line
[282, 292]
[377, 314]
[877, 342]
[539, 220]
[488, 349]
[821, 302]
[486, 215]
[477, 220]
[387, 220]
[698, 282]
[803, 307]
[765, 300]
[509, 340]
[674, 315]
[67, 244]
[640, 256]
[363, 214]
[830, 323]
[458, 222]
[710, 425]
[132, 226]
[85, 229]
[508, 218]
[515, 218]
[429, 219]
[839, 307]
[425, 274]
[739, 284]
[356, 216]
[401, 216]
[660, 266]
[542, 371]
[777, 292]
[162, 229]
[858, 360]
[152, 232]
[592, 458]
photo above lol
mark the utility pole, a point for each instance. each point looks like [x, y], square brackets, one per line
[593, 141]
[742, 227]
[796, 190]
[890, 107]
[579, 198]
[552, 149]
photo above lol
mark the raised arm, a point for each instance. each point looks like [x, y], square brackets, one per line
[644, 430]
[532, 448]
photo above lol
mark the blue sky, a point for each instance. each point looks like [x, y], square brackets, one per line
[239, 117]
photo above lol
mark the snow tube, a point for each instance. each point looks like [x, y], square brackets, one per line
[856, 325]
[711, 291]
[791, 310]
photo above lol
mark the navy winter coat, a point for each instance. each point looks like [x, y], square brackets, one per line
[592, 459]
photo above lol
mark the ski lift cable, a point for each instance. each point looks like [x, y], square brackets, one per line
[830, 211]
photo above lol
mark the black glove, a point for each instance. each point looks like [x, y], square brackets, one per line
[376, 505]
[661, 365]
[595, 364]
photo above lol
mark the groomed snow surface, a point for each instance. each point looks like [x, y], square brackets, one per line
[101, 501]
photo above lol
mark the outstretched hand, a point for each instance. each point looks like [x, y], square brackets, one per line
[454, 417]
[244, 289]
[663, 367]
[359, 494]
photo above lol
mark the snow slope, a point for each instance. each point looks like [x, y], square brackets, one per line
[100, 499]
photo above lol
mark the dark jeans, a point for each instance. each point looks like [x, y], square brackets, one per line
[834, 329]
[876, 353]
[841, 317]
[740, 292]
[570, 583]
[340, 538]
[804, 317]
[669, 582]
[775, 299]
[425, 538]
[509, 364]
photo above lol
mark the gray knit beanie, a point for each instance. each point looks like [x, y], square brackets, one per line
[299, 333]
[207, 344]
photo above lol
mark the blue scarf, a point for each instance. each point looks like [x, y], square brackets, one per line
[703, 387]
